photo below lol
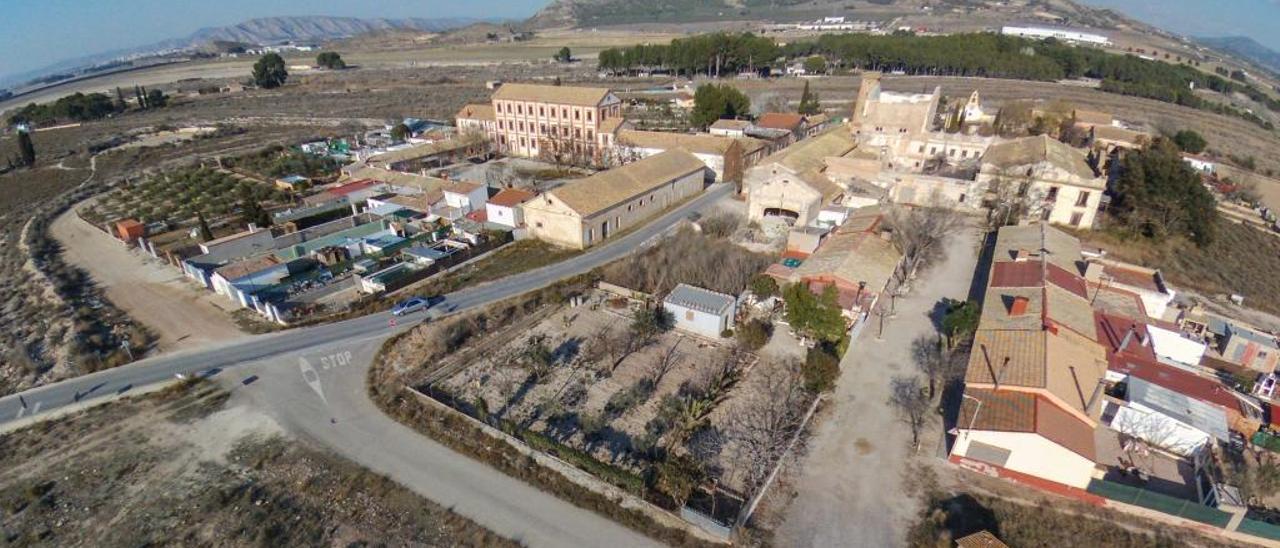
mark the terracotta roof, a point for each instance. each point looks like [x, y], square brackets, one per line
[809, 154]
[609, 125]
[476, 111]
[1114, 330]
[737, 125]
[780, 120]
[1119, 134]
[421, 182]
[240, 269]
[1040, 149]
[1014, 411]
[981, 539]
[697, 143]
[1132, 276]
[1178, 380]
[851, 258]
[420, 202]
[606, 189]
[560, 95]
[461, 187]
[353, 187]
[511, 197]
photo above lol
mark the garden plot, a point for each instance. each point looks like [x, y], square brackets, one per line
[598, 379]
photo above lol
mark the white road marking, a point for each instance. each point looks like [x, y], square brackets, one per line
[21, 411]
[36, 408]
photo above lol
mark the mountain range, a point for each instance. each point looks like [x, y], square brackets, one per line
[261, 31]
[1248, 48]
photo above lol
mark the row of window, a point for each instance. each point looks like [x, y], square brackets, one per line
[542, 111]
[543, 129]
[1082, 199]
[524, 142]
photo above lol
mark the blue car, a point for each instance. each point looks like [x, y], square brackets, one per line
[409, 306]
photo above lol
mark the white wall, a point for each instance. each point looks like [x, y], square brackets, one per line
[503, 215]
[695, 321]
[1172, 345]
[1034, 455]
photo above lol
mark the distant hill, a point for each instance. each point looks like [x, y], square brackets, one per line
[591, 13]
[1247, 48]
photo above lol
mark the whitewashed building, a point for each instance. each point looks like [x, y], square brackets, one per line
[700, 311]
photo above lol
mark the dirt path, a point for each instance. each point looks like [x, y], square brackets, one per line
[851, 491]
[152, 293]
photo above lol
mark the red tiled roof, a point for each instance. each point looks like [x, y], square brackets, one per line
[479, 215]
[461, 187]
[511, 197]
[780, 120]
[1132, 277]
[1016, 411]
[1112, 331]
[1062, 278]
[1016, 274]
[353, 186]
[1180, 381]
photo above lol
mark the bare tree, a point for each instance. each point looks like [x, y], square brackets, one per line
[908, 397]
[1012, 198]
[665, 362]
[919, 233]
[764, 419]
[938, 364]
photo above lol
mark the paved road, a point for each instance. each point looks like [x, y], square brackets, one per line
[378, 441]
[851, 490]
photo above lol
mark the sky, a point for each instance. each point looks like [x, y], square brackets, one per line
[1257, 19]
[37, 33]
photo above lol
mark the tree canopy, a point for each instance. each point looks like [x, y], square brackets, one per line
[269, 72]
[712, 102]
[330, 60]
[809, 104]
[564, 55]
[712, 54]
[1190, 141]
[815, 316]
[78, 107]
[1157, 195]
[815, 64]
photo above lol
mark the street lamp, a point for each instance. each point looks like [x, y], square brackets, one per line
[974, 418]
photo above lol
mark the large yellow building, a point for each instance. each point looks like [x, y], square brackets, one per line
[587, 211]
[541, 121]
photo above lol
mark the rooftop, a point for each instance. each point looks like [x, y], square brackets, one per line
[738, 125]
[1038, 150]
[697, 298]
[425, 150]
[462, 187]
[560, 95]
[1014, 411]
[511, 197]
[591, 195]
[476, 111]
[780, 120]
[247, 267]
[697, 143]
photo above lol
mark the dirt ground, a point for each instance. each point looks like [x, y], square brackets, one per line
[181, 314]
[193, 466]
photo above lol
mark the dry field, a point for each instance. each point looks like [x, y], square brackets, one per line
[183, 467]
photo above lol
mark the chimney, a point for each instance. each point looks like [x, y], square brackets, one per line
[1019, 306]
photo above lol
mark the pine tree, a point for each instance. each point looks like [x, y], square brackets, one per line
[205, 233]
[26, 147]
[137, 94]
[142, 99]
[809, 104]
[120, 104]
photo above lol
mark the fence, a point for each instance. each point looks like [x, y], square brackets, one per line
[1259, 529]
[1161, 503]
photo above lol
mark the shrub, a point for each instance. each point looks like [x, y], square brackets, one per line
[755, 334]
[821, 368]
[764, 286]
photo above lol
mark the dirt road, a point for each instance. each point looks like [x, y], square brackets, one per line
[153, 293]
[851, 491]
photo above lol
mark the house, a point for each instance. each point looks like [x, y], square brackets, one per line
[1203, 164]
[1242, 346]
[857, 259]
[728, 157]
[729, 128]
[815, 124]
[792, 184]
[1065, 35]
[1034, 381]
[293, 183]
[880, 118]
[240, 280]
[784, 121]
[539, 120]
[130, 230]
[465, 196]
[587, 211]
[504, 207]
[1111, 138]
[1148, 284]
[701, 311]
[477, 118]
[1062, 187]
[419, 158]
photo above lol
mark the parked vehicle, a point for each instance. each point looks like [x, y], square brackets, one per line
[409, 306]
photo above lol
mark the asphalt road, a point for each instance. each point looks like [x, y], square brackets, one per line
[357, 429]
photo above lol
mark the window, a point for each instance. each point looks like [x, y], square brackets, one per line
[502, 139]
[538, 224]
[921, 149]
[933, 150]
[951, 153]
[1053, 194]
[564, 112]
[577, 114]
[541, 111]
[542, 129]
[519, 109]
[521, 126]
[964, 154]
[1076, 218]
[629, 208]
[588, 116]
[577, 133]
[591, 135]
[1082, 199]
[522, 142]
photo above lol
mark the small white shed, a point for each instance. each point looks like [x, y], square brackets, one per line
[700, 311]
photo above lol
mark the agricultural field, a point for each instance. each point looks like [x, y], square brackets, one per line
[174, 197]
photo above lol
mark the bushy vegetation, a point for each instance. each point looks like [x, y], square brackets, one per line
[330, 60]
[76, 107]
[1190, 141]
[279, 161]
[692, 258]
[179, 195]
[1157, 195]
[816, 316]
[713, 102]
[713, 54]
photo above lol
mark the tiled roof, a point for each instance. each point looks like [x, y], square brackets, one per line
[697, 143]
[461, 187]
[253, 265]
[606, 189]
[738, 125]
[425, 150]
[511, 197]
[476, 111]
[560, 95]
[353, 187]
[1039, 149]
[981, 539]
[1082, 116]
[1014, 411]
[852, 258]
[609, 125]
[780, 120]
[1014, 357]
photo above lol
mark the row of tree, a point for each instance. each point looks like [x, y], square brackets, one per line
[711, 54]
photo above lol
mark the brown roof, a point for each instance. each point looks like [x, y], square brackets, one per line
[560, 95]
[461, 187]
[809, 154]
[231, 237]
[1015, 411]
[1113, 133]
[731, 124]
[697, 143]
[981, 539]
[780, 120]
[420, 203]
[1036, 150]
[248, 266]
[511, 197]
[606, 189]
[1081, 116]
[476, 111]
[609, 125]
[424, 150]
